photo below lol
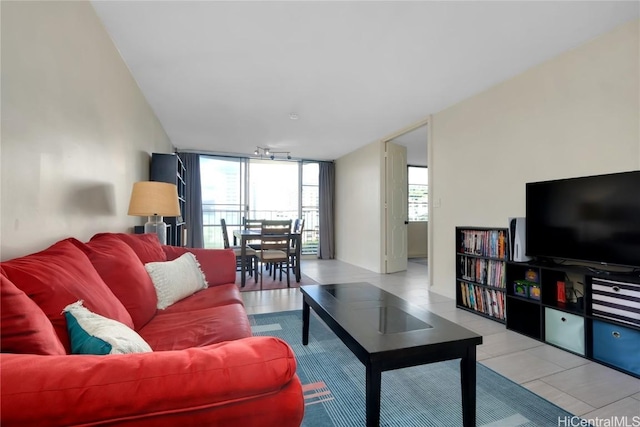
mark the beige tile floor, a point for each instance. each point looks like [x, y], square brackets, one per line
[578, 385]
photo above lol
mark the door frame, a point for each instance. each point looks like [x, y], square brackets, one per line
[428, 122]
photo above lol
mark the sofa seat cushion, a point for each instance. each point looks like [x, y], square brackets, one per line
[207, 298]
[238, 383]
[146, 246]
[25, 327]
[60, 275]
[125, 275]
[178, 331]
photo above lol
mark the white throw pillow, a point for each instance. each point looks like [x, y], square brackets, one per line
[177, 279]
[91, 333]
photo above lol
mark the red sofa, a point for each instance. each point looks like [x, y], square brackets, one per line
[205, 369]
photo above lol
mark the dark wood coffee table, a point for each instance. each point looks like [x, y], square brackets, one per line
[385, 332]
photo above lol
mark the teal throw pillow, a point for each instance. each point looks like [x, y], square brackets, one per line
[90, 333]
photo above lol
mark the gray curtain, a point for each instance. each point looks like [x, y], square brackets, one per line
[326, 188]
[193, 211]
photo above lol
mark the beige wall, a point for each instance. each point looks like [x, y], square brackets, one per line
[76, 130]
[359, 207]
[417, 239]
[360, 211]
[577, 114]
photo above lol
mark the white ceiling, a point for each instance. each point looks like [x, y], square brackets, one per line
[225, 76]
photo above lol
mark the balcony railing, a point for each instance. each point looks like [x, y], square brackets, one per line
[211, 215]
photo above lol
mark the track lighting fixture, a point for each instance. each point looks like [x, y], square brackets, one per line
[263, 152]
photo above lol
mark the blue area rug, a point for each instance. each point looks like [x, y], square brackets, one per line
[334, 386]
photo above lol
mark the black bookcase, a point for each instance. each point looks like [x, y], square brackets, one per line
[481, 255]
[170, 168]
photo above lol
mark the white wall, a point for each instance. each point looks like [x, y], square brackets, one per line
[417, 232]
[359, 207]
[76, 130]
[577, 114]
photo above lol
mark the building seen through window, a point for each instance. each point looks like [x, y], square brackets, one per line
[418, 193]
[238, 188]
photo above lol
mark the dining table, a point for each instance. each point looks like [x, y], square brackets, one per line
[246, 235]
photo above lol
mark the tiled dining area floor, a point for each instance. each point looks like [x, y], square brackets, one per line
[584, 388]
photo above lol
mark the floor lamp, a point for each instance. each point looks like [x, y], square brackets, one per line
[154, 200]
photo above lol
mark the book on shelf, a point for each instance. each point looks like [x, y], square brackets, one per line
[483, 300]
[483, 271]
[490, 243]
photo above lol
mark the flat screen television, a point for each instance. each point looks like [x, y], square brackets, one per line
[593, 218]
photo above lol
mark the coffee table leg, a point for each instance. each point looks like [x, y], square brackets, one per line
[468, 384]
[374, 383]
[305, 322]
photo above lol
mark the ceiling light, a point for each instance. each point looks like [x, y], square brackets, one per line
[293, 116]
[266, 152]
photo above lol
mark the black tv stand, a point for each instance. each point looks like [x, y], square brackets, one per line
[546, 262]
[585, 268]
[596, 322]
[600, 272]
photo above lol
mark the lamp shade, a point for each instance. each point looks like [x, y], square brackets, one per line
[150, 198]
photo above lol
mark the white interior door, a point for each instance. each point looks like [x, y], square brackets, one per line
[396, 207]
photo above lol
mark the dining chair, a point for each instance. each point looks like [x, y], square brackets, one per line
[250, 253]
[297, 229]
[253, 224]
[274, 247]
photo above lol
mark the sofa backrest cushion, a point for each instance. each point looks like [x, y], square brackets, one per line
[218, 265]
[24, 326]
[125, 275]
[146, 246]
[60, 275]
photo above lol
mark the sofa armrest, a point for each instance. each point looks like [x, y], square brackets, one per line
[71, 390]
[218, 265]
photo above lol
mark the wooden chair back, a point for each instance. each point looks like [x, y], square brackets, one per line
[253, 224]
[225, 235]
[298, 227]
[276, 235]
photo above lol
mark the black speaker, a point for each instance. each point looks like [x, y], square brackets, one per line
[517, 240]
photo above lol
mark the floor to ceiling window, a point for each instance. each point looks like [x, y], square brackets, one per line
[274, 189]
[223, 196]
[238, 188]
[310, 205]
